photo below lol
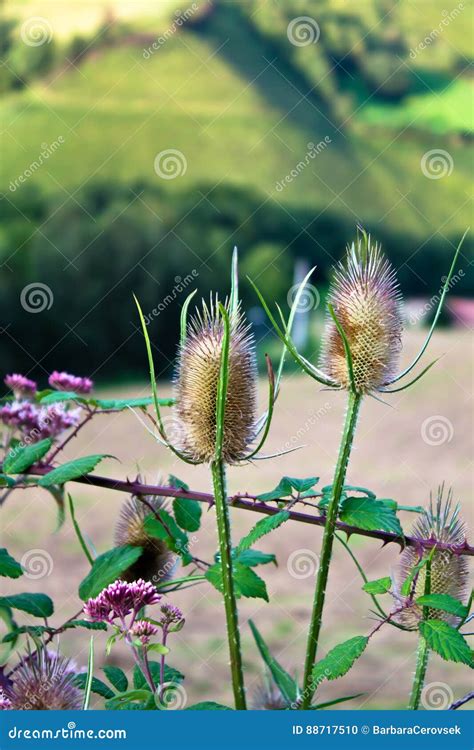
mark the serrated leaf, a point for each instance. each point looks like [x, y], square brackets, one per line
[72, 470]
[369, 514]
[286, 685]
[407, 584]
[33, 630]
[246, 582]
[187, 513]
[121, 699]
[446, 641]
[283, 489]
[98, 687]
[116, 677]
[106, 569]
[252, 557]
[380, 586]
[444, 602]
[171, 675]
[38, 605]
[208, 706]
[169, 531]
[9, 567]
[178, 483]
[262, 527]
[350, 488]
[339, 659]
[20, 459]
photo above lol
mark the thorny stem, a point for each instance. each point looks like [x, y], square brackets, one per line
[422, 653]
[252, 503]
[327, 544]
[230, 603]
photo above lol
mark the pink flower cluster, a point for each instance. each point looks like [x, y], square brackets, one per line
[120, 599]
[36, 421]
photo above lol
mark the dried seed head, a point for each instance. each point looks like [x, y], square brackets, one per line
[367, 303]
[156, 563]
[449, 570]
[267, 697]
[197, 383]
[44, 682]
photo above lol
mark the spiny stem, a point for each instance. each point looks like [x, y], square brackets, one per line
[327, 544]
[422, 653]
[230, 603]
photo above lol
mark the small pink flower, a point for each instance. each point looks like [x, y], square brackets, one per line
[143, 630]
[20, 385]
[64, 381]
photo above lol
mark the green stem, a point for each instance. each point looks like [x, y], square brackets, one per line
[422, 653]
[230, 602]
[327, 544]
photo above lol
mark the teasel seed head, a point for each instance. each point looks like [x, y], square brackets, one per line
[449, 570]
[367, 303]
[267, 697]
[44, 682]
[197, 383]
[156, 563]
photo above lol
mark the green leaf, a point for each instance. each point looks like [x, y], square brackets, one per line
[286, 685]
[187, 513]
[446, 641]
[89, 676]
[406, 586]
[262, 527]
[97, 686]
[171, 675]
[252, 557]
[54, 397]
[9, 567]
[20, 459]
[339, 659]
[369, 514]
[178, 483]
[444, 602]
[380, 586]
[302, 485]
[6, 481]
[33, 630]
[327, 704]
[208, 706]
[38, 605]
[246, 582]
[169, 531]
[117, 678]
[72, 470]
[158, 648]
[85, 624]
[106, 569]
[125, 403]
[120, 700]
[286, 486]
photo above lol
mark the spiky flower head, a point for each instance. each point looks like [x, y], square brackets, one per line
[43, 683]
[449, 570]
[197, 382]
[267, 697]
[367, 303]
[156, 563]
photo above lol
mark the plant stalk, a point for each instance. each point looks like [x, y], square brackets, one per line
[230, 602]
[422, 653]
[327, 544]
